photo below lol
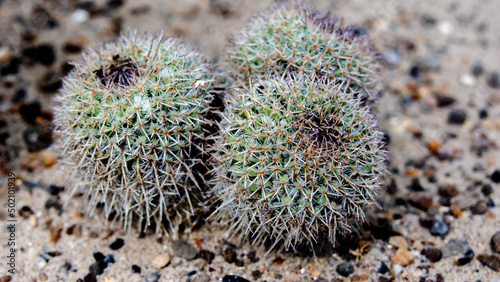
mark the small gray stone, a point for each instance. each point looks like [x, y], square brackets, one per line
[201, 277]
[494, 80]
[184, 250]
[391, 56]
[153, 276]
[455, 247]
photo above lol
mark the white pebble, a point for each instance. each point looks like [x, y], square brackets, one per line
[79, 16]
[467, 80]
[397, 269]
[445, 27]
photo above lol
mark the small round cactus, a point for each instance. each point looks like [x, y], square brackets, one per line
[130, 117]
[292, 37]
[296, 161]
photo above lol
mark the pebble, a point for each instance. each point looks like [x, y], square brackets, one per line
[397, 269]
[455, 247]
[345, 269]
[201, 277]
[422, 202]
[136, 268]
[25, 212]
[383, 269]
[495, 242]
[117, 244]
[480, 207]
[47, 157]
[477, 70]
[439, 228]
[444, 101]
[468, 80]
[495, 176]
[402, 257]
[445, 27]
[391, 56]
[207, 255]
[487, 190]
[466, 258]
[184, 249]
[43, 54]
[161, 260]
[97, 268]
[493, 80]
[234, 278]
[399, 242]
[432, 254]
[483, 113]
[66, 267]
[90, 278]
[98, 256]
[457, 116]
[39, 263]
[153, 276]
[79, 16]
[491, 261]
[5, 55]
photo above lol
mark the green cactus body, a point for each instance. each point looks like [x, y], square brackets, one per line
[297, 159]
[295, 38]
[129, 116]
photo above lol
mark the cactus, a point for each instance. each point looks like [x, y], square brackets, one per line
[292, 37]
[297, 159]
[130, 118]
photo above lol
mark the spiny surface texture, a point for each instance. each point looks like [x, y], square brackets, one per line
[130, 118]
[298, 159]
[292, 37]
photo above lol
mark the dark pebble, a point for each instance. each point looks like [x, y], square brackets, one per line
[252, 256]
[3, 138]
[43, 54]
[115, 3]
[229, 255]
[11, 68]
[117, 244]
[234, 278]
[432, 254]
[66, 68]
[457, 116]
[345, 269]
[70, 47]
[480, 207]
[54, 190]
[381, 228]
[110, 258]
[421, 202]
[136, 268]
[495, 242]
[439, 228]
[53, 203]
[468, 256]
[98, 256]
[416, 185]
[483, 113]
[491, 261]
[97, 268]
[207, 255]
[383, 269]
[90, 278]
[494, 80]
[490, 203]
[25, 212]
[54, 254]
[385, 279]
[392, 188]
[477, 70]
[66, 267]
[19, 96]
[414, 71]
[256, 274]
[444, 101]
[191, 273]
[30, 111]
[487, 190]
[448, 190]
[50, 83]
[37, 138]
[428, 21]
[153, 276]
[495, 176]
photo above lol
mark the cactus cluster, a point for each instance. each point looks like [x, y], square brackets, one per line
[292, 37]
[298, 159]
[130, 117]
[296, 154]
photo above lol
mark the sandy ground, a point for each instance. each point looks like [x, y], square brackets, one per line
[429, 49]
